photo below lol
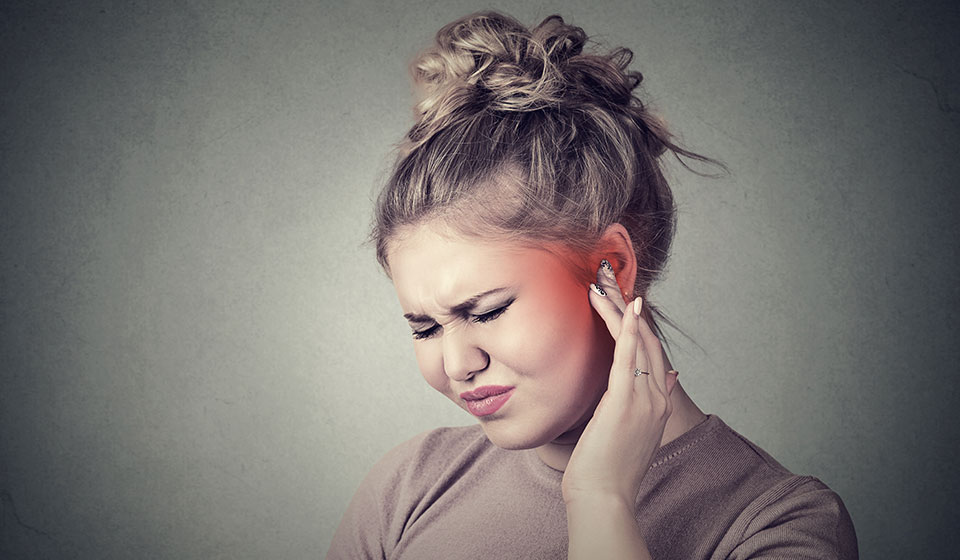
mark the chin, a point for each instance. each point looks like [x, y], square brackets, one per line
[512, 437]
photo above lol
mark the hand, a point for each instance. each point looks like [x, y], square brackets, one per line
[618, 444]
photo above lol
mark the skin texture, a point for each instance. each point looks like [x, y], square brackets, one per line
[568, 351]
[548, 343]
[554, 343]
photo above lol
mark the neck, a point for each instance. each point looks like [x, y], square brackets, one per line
[686, 414]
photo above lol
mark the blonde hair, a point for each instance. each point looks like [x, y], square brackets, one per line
[521, 135]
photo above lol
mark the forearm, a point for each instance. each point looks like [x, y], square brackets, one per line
[601, 528]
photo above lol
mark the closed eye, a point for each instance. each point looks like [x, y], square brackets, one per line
[426, 333]
[490, 315]
[483, 318]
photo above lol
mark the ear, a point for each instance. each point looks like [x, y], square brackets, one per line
[616, 247]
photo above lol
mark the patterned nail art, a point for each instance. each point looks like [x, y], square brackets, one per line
[598, 290]
[605, 264]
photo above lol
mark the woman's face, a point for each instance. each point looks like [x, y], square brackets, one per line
[508, 323]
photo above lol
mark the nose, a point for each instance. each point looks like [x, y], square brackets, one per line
[462, 357]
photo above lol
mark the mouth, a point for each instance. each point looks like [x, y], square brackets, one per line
[484, 401]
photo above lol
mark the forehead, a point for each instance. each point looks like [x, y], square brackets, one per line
[431, 265]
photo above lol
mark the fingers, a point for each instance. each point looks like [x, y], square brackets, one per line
[607, 299]
[625, 357]
[599, 299]
[663, 382]
[643, 357]
[651, 362]
[639, 347]
[651, 347]
[607, 280]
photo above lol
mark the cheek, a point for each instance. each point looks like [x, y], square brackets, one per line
[430, 361]
[570, 316]
[558, 331]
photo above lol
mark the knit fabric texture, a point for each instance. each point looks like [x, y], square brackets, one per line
[451, 494]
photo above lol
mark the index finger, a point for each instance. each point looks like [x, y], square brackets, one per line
[606, 309]
[607, 279]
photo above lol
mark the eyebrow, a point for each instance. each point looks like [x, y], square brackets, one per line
[456, 309]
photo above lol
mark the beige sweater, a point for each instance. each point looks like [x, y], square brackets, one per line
[451, 494]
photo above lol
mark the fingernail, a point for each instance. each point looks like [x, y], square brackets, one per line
[598, 290]
[637, 306]
[674, 372]
[607, 267]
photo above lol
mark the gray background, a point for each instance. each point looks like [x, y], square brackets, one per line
[200, 359]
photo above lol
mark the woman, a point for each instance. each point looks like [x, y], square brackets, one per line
[525, 221]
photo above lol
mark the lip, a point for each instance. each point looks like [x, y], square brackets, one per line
[484, 401]
[481, 393]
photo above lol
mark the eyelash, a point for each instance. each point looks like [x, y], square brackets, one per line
[488, 316]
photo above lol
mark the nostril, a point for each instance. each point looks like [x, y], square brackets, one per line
[465, 363]
[462, 355]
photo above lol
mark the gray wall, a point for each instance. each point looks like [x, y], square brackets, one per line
[199, 358]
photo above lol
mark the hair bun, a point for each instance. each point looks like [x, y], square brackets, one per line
[491, 61]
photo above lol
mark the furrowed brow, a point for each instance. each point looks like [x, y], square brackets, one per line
[456, 309]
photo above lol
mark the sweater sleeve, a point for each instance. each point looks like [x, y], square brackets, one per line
[799, 518]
